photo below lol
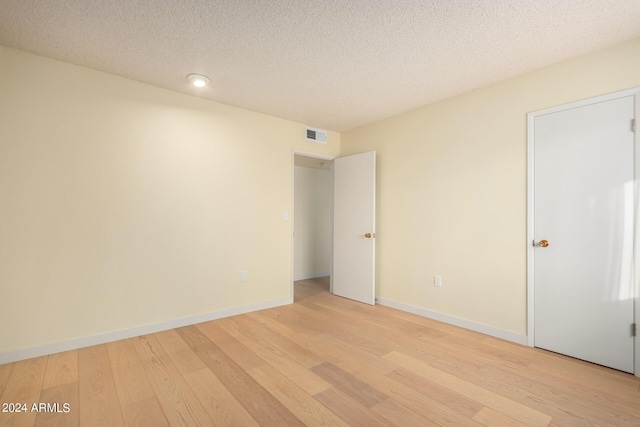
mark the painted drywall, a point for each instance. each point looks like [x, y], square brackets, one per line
[451, 188]
[124, 205]
[313, 195]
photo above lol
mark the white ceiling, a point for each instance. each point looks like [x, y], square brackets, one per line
[334, 64]
[312, 162]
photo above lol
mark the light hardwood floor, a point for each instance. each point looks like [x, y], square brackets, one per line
[323, 360]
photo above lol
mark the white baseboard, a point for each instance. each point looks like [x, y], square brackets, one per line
[310, 276]
[456, 321]
[42, 350]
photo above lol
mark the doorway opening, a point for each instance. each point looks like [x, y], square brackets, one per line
[312, 239]
[307, 288]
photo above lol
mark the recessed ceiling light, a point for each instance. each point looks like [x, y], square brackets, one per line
[198, 80]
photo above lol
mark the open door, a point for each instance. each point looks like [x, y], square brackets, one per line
[354, 193]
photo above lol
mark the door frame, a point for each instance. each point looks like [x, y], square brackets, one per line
[295, 152]
[530, 208]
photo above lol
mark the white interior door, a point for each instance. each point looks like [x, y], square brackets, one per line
[354, 193]
[583, 208]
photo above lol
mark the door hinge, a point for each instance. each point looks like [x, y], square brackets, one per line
[633, 329]
[633, 125]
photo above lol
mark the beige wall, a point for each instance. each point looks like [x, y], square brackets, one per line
[123, 204]
[313, 221]
[452, 188]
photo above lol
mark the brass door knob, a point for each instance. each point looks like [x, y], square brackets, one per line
[370, 235]
[543, 243]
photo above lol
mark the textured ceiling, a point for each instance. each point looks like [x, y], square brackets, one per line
[312, 162]
[330, 64]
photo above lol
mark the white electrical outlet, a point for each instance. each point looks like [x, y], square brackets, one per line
[437, 281]
[243, 276]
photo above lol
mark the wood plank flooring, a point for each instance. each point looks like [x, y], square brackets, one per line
[323, 360]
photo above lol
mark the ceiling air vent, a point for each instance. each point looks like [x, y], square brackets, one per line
[315, 135]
